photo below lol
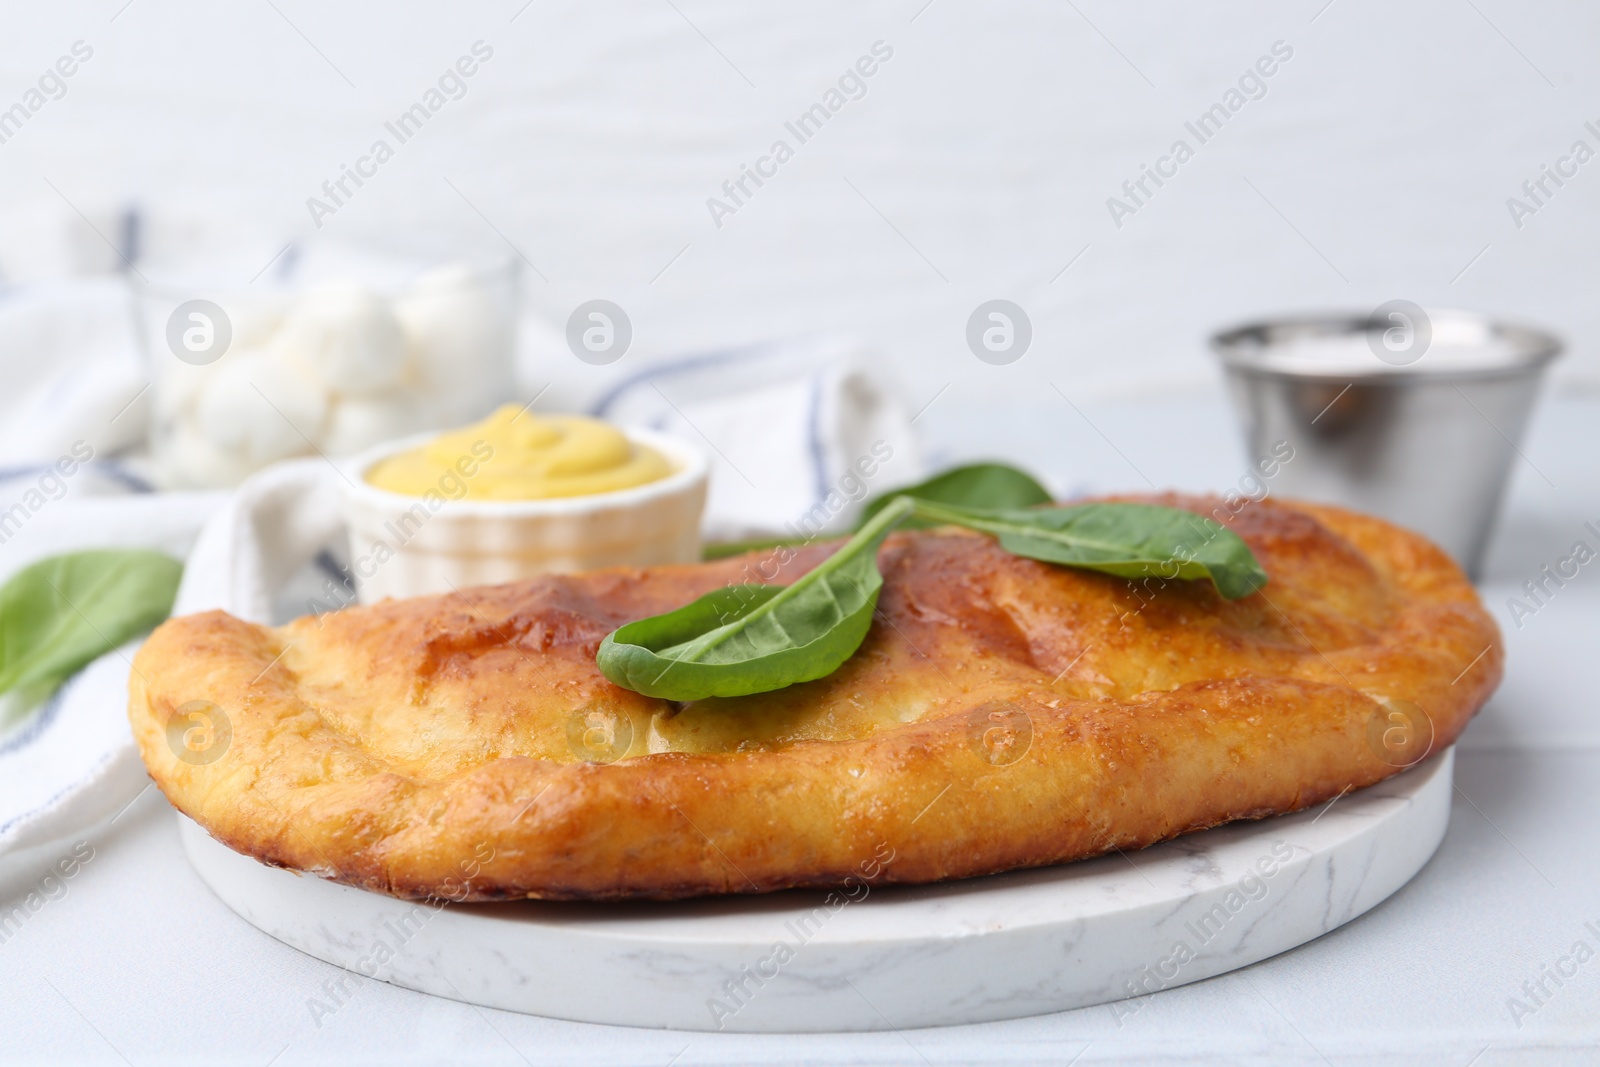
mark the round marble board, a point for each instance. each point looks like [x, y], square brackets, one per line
[1098, 931]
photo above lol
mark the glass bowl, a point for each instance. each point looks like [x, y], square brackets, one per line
[328, 356]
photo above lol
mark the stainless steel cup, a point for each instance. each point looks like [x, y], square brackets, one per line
[1409, 414]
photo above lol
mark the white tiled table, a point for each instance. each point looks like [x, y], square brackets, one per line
[138, 962]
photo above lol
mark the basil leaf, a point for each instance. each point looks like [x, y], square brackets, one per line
[747, 639]
[978, 485]
[59, 614]
[1125, 539]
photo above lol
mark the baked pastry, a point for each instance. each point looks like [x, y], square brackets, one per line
[1002, 713]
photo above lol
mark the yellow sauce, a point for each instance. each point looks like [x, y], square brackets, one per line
[516, 455]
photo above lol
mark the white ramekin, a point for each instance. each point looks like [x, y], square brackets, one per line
[398, 548]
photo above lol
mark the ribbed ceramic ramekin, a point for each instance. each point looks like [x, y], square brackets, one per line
[404, 545]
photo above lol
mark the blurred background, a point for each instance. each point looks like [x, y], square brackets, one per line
[977, 165]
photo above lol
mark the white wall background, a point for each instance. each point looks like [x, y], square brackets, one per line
[1383, 153]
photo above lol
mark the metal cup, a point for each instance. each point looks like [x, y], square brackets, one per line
[1409, 414]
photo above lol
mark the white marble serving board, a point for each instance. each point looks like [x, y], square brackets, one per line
[1098, 931]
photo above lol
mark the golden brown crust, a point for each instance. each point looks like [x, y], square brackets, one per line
[1002, 713]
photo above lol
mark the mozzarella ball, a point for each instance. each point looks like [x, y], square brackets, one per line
[261, 406]
[357, 423]
[254, 319]
[347, 336]
[177, 385]
[192, 461]
[459, 340]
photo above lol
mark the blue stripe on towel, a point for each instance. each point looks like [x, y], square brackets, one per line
[819, 459]
[116, 472]
[715, 359]
[42, 721]
[62, 792]
[818, 451]
[109, 469]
